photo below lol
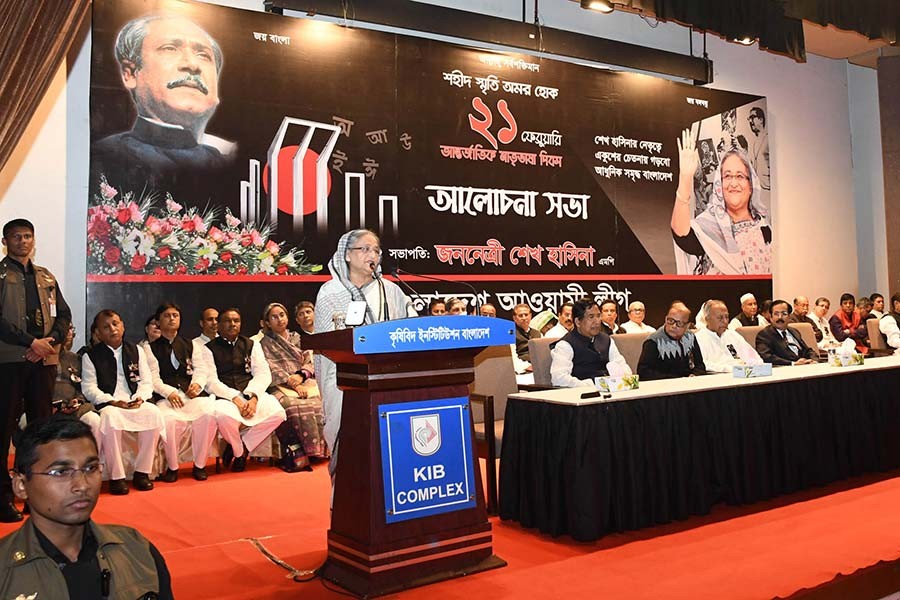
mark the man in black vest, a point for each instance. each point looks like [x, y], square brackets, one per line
[116, 379]
[180, 401]
[34, 319]
[239, 376]
[779, 344]
[585, 352]
[889, 324]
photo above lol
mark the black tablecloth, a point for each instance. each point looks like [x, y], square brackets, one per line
[590, 470]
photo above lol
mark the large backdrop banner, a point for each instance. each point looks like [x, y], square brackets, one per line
[231, 149]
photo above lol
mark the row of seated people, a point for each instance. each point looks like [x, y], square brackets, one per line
[848, 322]
[677, 350]
[221, 381]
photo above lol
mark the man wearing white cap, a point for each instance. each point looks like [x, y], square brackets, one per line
[748, 316]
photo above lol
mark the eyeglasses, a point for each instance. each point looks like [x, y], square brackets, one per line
[367, 250]
[69, 473]
[636, 310]
[675, 322]
[736, 178]
[780, 313]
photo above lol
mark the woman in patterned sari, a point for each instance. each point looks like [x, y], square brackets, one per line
[293, 380]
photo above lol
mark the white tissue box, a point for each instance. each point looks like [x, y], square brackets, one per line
[617, 384]
[746, 371]
[845, 360]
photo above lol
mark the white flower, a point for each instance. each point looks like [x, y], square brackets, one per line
[136, 242]
[266, 265]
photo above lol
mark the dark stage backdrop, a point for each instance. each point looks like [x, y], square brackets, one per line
[530, 179]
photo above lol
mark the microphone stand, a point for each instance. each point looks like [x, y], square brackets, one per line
[432, 278]
[395, 273]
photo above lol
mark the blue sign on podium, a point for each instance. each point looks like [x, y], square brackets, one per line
[426, 458]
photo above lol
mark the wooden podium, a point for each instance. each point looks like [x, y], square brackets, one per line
[367, 555]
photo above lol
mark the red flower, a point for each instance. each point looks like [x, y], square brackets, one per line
[221, 271]
[159, 271]
[98, 226]
[187, 225]
[281, 269]
[202, 264]
[181, 270]
[226, 256]
[138, 262]
[123, 215]
[164, 252]
[246, 240]
[242, 270]
[112, 255]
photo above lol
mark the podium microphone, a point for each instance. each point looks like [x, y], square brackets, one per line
[393, 269]
[441, 279]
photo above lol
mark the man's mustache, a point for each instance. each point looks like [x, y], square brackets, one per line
[189, 80]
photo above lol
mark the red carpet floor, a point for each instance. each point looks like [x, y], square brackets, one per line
[769, 550]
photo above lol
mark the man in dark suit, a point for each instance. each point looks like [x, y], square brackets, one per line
[779, 344]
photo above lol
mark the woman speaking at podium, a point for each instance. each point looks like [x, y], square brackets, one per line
[355, 277]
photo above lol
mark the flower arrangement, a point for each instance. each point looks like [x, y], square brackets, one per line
[129, 236]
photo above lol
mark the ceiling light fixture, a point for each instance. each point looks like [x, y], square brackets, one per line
[604, 6]
[746, 41]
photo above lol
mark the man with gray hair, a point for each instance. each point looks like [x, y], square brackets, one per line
[635, 322]
[171, 68]
[722, 348]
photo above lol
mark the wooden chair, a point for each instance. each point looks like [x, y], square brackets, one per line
[629, 346]
[495, 379]
[749, 333]
[807, 334]
[876, 338]
[539, 350]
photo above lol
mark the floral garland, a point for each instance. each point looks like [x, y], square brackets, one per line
[129, 237]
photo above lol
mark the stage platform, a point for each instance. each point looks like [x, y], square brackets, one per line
[839, 541]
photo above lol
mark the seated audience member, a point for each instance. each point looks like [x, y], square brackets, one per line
[765, 311]
[889, 324]
[305, 317]
[239, 376]
[671, 351]
[92, 340]
[609, 314]
[722, 348]
[564, 325]
[181, 402]
[60, 552]
[585, 352]
[877, 301]
[635, 322]
[293, 382]
[544, 321]
[801, 315]
[437, 307]
[209, 330]
[820, 320]
[864, 307]
[487, 310]
[67, 396]
[846, 322]
[455, 306]
[779, 344]
[748, 316]
[116, 379]
[151, 332]
[524, 332]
